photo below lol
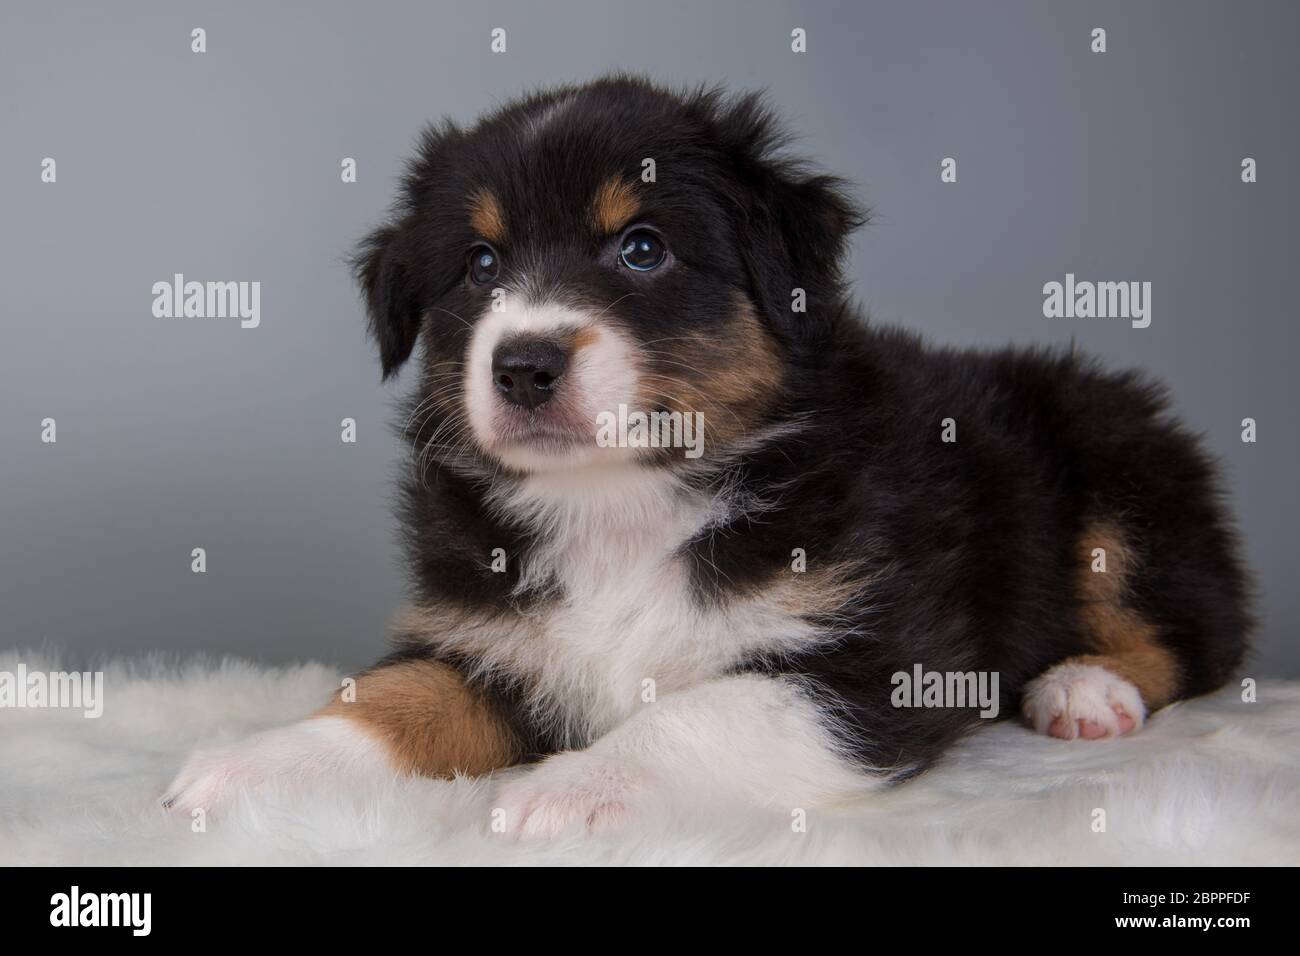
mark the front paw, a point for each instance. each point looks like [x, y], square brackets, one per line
[312, 750]
[577, 791]
[212, 778]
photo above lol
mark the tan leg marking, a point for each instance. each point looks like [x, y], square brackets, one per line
[431, 722]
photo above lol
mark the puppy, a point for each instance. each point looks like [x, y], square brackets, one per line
[729, 597]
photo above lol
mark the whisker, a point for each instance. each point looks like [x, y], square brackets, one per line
[461, 319]
[616, 302]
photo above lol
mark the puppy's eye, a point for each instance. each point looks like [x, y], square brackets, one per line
[483, 264]
[642, 250]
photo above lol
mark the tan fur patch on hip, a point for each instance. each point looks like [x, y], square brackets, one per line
[1121, 639]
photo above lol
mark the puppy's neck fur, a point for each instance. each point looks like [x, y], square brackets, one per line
[599, 525]
[608, 554]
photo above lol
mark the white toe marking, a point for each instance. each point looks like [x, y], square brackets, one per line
[1078, 692]
[579, 791]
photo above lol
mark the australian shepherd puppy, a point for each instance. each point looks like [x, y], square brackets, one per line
[679, 516]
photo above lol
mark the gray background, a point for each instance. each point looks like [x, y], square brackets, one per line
[174, 434]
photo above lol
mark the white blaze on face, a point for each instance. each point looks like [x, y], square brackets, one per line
[600, 375]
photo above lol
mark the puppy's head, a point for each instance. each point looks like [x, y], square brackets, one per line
[593, 267]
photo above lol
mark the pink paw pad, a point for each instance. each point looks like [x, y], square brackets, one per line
[1090, 729]
[1076, 701]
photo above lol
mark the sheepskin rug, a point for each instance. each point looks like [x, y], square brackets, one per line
[1215, 781]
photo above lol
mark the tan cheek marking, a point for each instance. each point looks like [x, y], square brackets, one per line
[487, 217]
[584, 338]
[732, 376]
[430, 721]
[1122, 640]
[614, 206]
[755, 374]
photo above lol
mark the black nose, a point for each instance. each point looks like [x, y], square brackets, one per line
[526, 371]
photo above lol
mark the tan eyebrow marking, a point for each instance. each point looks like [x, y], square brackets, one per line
[487, 217]
[614, 206]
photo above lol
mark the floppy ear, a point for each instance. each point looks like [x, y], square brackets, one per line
[796, 222]
[384, 261]
[392, 303]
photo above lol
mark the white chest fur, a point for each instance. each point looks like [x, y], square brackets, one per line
[626, 627]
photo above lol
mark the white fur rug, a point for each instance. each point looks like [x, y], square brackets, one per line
[1215, 781]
